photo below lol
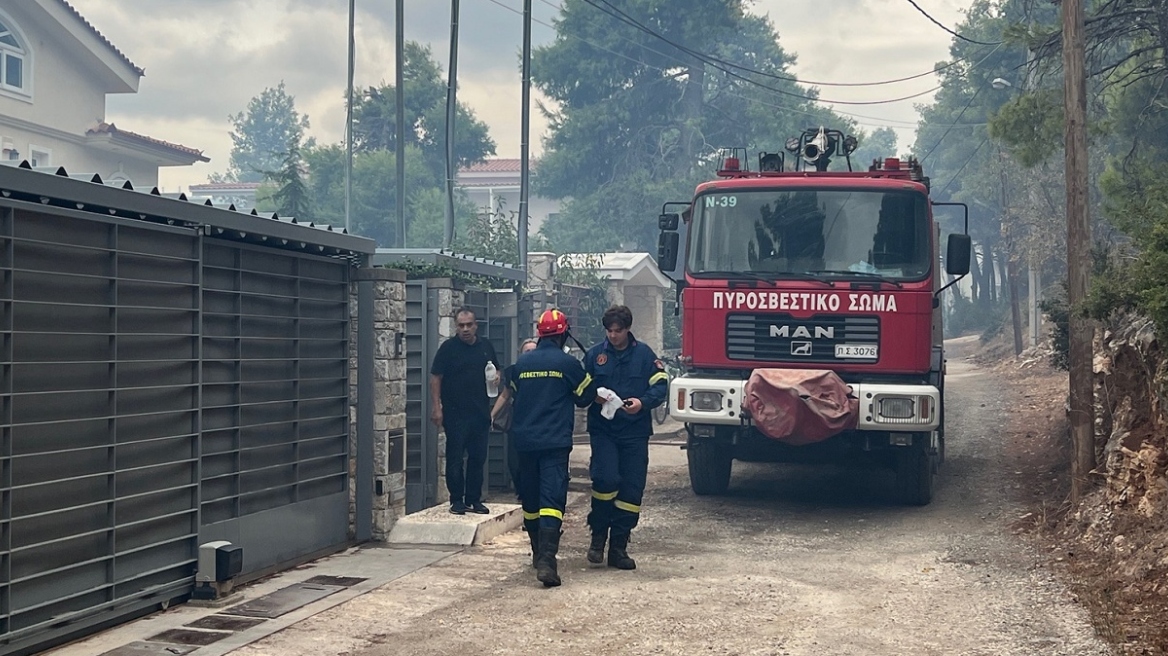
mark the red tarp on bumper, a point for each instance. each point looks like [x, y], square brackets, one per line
[799, 406]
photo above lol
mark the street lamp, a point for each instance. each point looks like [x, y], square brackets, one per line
[1000, 83]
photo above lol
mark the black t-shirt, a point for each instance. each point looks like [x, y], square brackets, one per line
[464, 383]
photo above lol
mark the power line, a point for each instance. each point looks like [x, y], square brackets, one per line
[942, 26]
[882, 122]
[965, 164]
[620, 15]
[955, 122]
[872, 121]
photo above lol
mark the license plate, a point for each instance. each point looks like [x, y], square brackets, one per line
[859, 351]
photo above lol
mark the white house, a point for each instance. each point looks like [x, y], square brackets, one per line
[55, 72]
[497, 180]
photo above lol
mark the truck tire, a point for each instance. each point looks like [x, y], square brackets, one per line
[710, 462]
[915, 474]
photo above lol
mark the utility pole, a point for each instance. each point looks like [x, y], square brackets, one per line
[1011, 264]
[451, 113]
[400, 94]
[1082, 401]
[525, 136]
[349, 121]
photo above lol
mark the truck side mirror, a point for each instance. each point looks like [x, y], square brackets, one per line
[667, 250]
[668, 221]
[957, 254]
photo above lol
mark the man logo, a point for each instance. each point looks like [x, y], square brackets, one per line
[801, 348]
[821, 332]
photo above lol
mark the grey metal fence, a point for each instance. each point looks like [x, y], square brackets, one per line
[162, 383]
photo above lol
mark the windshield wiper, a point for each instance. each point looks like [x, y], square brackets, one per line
[860, 274]
[771, 279]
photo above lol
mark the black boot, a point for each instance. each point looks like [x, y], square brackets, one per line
[617, 556]
[596, 549]
[545, 563]
[534, 535]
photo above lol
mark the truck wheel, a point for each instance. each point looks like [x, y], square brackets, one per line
[710, 462]
[914, 474]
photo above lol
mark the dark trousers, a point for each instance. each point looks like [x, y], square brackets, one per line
[469, 438]
[543, 477]
[619, 468]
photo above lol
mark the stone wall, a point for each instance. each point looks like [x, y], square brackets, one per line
[449, 298]
[389, 396]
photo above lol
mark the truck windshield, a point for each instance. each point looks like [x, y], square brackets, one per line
[796, 231]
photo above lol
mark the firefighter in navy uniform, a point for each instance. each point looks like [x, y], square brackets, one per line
[546, 383]
[620, 445]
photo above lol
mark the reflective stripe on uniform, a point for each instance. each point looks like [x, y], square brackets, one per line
[584, 384]
[531, 516]
[660, 375]
[603, 496]
[628, 507]
[551, 512]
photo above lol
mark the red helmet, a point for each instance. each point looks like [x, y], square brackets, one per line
[552, 322]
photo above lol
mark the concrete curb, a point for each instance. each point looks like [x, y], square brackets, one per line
[436, 526]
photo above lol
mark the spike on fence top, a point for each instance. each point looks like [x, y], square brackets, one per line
[182, 196]
[231, 207]
[155, 192]
[24, 164]
[60, 171]
[127, 185]
[208, 203]
[254, 212]
[275, 217]
[96, 178]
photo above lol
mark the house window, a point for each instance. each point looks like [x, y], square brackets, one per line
[13, 55]
[40, 156]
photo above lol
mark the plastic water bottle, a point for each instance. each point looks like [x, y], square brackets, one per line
[492, 380]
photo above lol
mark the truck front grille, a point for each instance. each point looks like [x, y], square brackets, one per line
[781, 338]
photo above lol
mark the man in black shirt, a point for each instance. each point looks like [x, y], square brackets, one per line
[459, 402]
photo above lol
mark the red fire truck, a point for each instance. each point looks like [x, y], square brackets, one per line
[811, 314]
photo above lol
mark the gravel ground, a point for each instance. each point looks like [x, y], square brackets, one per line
[794, 561]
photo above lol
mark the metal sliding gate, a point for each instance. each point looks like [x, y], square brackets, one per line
[275, 398]
[496, 313]
[159, 388]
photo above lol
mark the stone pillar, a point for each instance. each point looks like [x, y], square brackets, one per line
[541, 271]
[389, 394]
[449, 297]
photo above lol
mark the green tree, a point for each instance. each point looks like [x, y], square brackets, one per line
[261, 134]
[638, 121]
[291, 197]
[375, 195]
[375, 119]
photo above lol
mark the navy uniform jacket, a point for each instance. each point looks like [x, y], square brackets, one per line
[547, 383]
[634, 372]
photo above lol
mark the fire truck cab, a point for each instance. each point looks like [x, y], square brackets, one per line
[811, 314]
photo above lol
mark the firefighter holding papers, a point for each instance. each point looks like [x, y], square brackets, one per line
[629, 370]
[546, 383]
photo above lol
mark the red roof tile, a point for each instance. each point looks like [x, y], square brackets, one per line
[102, 38]
[499, 165]
[226, 186]
[111, 129]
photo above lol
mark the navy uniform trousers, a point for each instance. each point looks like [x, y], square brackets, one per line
[543, 487]
[619, 468]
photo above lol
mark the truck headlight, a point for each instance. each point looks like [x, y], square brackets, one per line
[895, 407]
[706, 401]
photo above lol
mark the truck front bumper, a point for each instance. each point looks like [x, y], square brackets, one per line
[883, 407]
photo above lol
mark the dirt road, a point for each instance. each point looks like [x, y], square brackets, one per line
[795, 561]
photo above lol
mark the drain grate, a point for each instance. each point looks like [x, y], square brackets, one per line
[189, 637]
[342, 581]
[150, 649]
[225, 623]
[283, 600]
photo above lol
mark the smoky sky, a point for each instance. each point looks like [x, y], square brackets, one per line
[205, 59]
